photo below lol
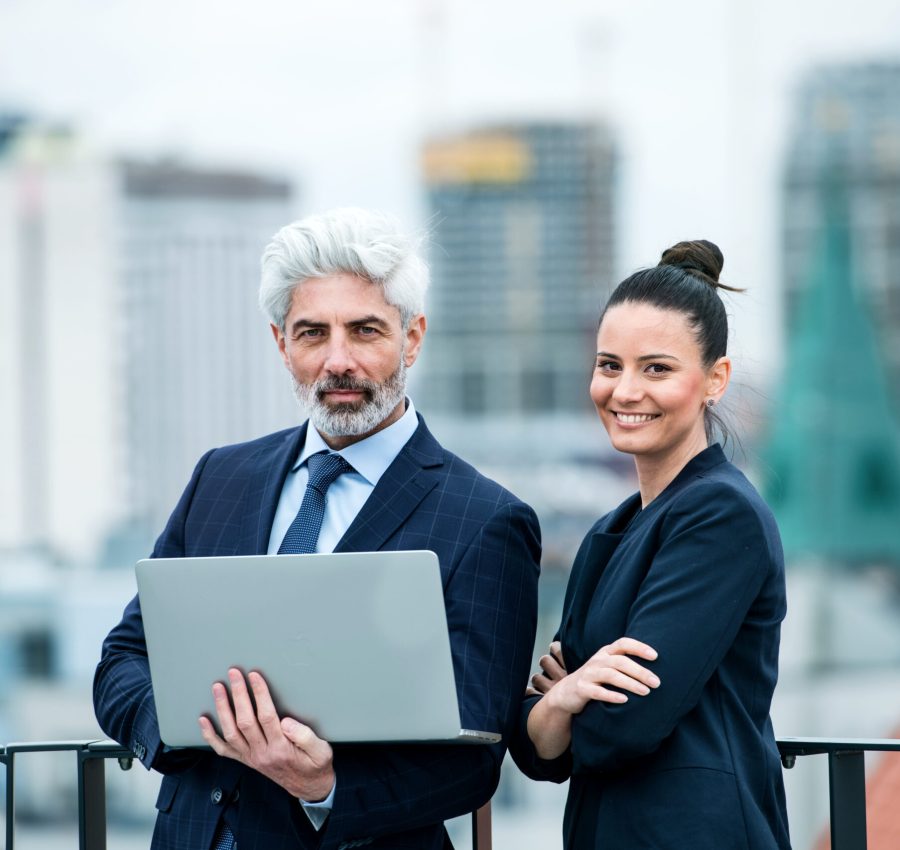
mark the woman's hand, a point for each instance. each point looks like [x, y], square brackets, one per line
[566, 694]
[553, 668]
[610, 665]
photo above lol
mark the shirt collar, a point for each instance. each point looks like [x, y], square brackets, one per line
[369, 457]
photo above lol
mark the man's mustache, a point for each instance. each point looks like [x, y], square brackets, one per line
[345, 383]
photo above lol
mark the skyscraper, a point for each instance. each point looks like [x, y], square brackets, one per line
[847, 116]
[199, 366]
[522, 229]
[833, 459]
[129, 335]
[522, 257]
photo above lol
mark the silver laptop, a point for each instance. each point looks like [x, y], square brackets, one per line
[353, 644]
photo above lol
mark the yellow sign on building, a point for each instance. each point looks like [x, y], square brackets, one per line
[493, 158]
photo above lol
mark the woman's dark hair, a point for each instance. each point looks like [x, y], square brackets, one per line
[686, 281]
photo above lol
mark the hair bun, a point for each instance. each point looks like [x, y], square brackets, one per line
[700, 257]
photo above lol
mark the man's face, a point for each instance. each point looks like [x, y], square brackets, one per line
[347, 353]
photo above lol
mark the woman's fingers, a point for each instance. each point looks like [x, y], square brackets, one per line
[608, 676]
[540, 683]
[553, 670]
[621, 671]
[556, 651]
[617, 678]
[592, 691]
[630, 646]
[636, 671]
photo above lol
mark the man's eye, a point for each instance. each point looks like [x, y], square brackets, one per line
[309, 333]
[366, 330]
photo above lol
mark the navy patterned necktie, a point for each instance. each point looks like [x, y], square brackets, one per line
[224, 839]
[303, 533]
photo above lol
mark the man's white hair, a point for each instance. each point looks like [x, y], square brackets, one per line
[369, 244]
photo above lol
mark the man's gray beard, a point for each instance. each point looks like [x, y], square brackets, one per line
[350, 419]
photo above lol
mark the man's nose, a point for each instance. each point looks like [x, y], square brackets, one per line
[339, 358]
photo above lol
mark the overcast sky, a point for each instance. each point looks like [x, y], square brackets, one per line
[338, 94]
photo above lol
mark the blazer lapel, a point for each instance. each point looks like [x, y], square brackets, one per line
[586, 578]
[412, 475]
[264, 490]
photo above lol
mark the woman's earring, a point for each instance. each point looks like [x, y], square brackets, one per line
[710, 402]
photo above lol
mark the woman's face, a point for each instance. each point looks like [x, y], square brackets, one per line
[649, 385]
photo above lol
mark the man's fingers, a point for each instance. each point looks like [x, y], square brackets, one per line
[244, 714]
[208, 731]
[225, 714]
[265, 708]
[318, 751]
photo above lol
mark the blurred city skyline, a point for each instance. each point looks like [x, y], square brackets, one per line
[339, 97]
[203, 129]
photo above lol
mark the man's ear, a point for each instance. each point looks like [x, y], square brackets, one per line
[281, 342]
[415, 333]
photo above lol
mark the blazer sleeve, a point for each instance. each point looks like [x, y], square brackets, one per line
[521, 747]
[713, 556]
[123, 695]
[491, 600]
[526, 758]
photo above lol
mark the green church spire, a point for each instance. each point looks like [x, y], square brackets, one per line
[833, 460]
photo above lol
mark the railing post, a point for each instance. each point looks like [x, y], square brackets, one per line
[91, 801]
[481, 827]
[91, 758]
[9, 759]
[847, 785]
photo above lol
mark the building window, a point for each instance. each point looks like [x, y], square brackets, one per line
[473, 386]
[36, 654]
[538, 391]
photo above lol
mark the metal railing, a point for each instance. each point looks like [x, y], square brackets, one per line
[91, 759]
[846, 775]
[846, 780]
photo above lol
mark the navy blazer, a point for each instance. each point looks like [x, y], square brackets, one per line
[698, 575]
[488, 544]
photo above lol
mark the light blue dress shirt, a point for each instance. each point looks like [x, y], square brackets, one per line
[346, 496]
[370, 458]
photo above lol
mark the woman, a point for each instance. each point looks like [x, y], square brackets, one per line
[675, 750]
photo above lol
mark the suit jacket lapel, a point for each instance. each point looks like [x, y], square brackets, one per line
[587, 573]
[264, 490]
[413, 474]
[586, 576]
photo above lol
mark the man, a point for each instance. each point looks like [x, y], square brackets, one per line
[344, 292]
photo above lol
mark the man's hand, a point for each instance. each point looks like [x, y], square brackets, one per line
[283, 749]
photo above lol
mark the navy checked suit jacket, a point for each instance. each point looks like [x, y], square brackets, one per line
[397, 796]
[698, 575]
